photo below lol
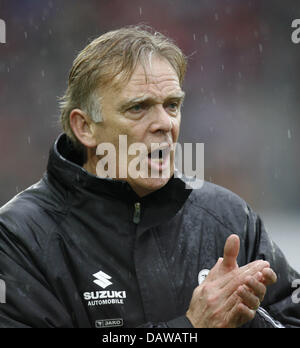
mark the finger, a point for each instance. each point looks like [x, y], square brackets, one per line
[238, 313]
[231, 281]
[256, 286]
[217, 265]
[248, 297]
[254, 268]
[256, 263]
[231, 251]
[269, 276]
[243, 314]
[232, 317]
[214, 274]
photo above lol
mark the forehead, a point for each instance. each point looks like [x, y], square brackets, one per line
[157, 79]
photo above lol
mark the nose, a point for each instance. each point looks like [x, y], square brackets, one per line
[162, 120]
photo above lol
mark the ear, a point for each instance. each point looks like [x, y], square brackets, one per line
[81, 126]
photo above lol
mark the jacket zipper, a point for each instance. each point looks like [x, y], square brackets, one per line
[137, 213]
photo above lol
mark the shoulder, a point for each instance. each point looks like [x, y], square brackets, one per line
[32, 215]
[226, 207]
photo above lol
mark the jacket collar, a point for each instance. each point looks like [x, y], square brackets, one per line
[65, 166]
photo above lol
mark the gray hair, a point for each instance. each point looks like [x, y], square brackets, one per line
[115, 53]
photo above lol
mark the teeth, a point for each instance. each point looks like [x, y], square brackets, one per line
[158, 160]
[159, 154]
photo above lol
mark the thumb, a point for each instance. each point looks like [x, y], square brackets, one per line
[231, 251]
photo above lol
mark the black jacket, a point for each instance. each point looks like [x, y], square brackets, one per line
[79, 251]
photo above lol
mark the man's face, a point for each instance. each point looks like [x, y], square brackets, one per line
[146, 111]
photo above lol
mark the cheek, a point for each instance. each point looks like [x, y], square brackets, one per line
[137, 132]
[175, 127]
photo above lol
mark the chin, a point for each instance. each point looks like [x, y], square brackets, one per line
[144, 187]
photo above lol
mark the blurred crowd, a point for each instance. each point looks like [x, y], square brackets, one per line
[242, 86]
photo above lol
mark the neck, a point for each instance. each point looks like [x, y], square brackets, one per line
[91, 164]
[91, 161]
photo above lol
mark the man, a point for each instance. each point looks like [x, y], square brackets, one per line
[81, 250]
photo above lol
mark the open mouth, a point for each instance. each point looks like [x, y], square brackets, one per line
[159, 159]
[159, 154]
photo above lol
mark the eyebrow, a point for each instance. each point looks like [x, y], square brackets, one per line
[148, 99]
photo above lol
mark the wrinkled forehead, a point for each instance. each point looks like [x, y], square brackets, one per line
[155, 76]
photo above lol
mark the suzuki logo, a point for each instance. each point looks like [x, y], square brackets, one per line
[102, 279]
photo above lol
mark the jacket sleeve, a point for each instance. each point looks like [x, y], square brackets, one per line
[279, 308]
[26, 299]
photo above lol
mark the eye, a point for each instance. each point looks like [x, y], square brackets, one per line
[173, 106]
[135, 109]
